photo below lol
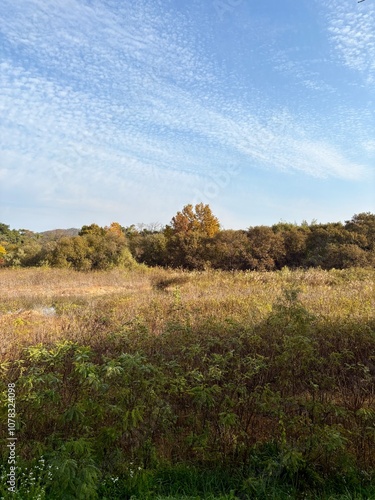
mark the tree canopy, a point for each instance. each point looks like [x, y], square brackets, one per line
[194, 240]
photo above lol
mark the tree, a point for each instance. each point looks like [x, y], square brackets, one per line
[347, 255]
[199, 219]
[267, 248]
[116, 228]
[8, 235]
[150, 249]
[326, 241]
[189, 231]
[17, 237]
[2, 255]
[92, 229]
[294, 238]
[71, 251]
[95, 248]
[363, 224]
[230, 250]
[108, 247]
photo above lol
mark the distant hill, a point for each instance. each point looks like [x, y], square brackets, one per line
[56, 234]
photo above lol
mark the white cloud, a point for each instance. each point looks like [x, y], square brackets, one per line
[352, 31]
[109, 100]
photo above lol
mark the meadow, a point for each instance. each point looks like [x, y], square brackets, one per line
[157, 383]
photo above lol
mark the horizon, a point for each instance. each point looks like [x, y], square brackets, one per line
[140, 225]
[129, 112]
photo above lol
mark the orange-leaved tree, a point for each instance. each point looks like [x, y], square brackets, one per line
[198, 219]
[187, 235]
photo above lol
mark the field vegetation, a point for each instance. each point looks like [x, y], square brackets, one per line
[152, 383]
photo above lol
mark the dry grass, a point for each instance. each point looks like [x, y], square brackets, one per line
[91, 305]
[47, 284]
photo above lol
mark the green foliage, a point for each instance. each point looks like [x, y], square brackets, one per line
[230, 250]
[10, 235]
[193, 240]
[267, 248]
[33, 480]
[75, 473]
[92, 229]
[18, 247]
[150, 249]
[295, 241]
[363, 225]
[95, 248]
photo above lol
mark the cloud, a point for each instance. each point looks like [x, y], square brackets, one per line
[109, 100]
[352, 32]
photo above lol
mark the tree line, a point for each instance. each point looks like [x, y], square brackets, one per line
[194, 240]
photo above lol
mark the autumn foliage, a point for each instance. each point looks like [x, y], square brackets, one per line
[195, 240]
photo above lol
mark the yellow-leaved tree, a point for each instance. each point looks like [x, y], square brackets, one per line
[198, 219]
[187, 235]
[2, 255]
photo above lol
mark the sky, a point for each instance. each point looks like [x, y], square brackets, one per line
[129, 110]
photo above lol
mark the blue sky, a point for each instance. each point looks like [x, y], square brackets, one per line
[128, 110]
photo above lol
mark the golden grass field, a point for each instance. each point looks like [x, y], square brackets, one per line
[41, 305]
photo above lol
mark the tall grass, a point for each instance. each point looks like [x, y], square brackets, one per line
[153, 297]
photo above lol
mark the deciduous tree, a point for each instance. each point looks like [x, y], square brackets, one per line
[188, 231]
